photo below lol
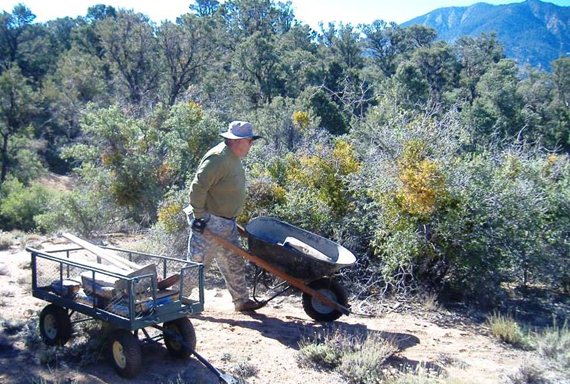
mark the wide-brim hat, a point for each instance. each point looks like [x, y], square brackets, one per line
[240, 130]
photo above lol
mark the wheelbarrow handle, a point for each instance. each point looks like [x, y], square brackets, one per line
[297, 283]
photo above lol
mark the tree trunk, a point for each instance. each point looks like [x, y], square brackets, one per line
[4, 158]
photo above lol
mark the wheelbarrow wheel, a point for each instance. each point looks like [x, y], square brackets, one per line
[320, 311]
[126, 353]
[179, 337]
[55, 325]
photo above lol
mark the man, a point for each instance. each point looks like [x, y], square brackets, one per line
[217, 196]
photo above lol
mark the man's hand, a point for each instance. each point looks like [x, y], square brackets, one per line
[198, 225]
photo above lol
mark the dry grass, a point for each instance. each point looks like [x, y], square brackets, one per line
[529, 373]
[429, 302]
[7, 292]
[244, 370]
[506, 329]
[554, 344]
[6, 240]
[358, 358]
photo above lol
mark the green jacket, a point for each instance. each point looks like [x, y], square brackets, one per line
[219, 184]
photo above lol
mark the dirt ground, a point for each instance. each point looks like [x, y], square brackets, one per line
[265, 344]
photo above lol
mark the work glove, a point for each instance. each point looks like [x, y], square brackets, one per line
[198, 225]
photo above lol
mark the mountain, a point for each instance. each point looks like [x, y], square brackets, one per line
[532, 32]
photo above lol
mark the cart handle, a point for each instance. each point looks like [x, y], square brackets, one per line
[297, 283]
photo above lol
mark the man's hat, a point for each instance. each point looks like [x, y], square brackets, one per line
[240, 130]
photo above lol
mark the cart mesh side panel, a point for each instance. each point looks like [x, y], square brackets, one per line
[48, 272]
[190, 274]
[84, 285]
[190, 280]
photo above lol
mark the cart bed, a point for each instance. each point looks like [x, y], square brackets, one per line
[74, 279]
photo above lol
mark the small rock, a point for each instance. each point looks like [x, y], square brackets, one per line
[4, 269]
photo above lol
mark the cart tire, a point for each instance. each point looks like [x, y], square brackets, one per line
[320, 311]
[126, 353]
[55, 325]
[176, 331]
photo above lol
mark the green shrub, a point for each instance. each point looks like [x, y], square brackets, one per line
[458, 218]
[27, 163]
[31, 335]
[263, 195]
[135, 161]
[13, 326]
[160, 241]
[421, 375]
[319, 355]
[21, 204]
[85, 348]
[171, 216]
[244, 370]
[323, 170]
[83, 211]
[88, 345]
[303, 208]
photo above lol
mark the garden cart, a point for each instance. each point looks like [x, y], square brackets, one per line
[129, 291]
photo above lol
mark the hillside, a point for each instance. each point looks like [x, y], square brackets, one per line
[533, 32]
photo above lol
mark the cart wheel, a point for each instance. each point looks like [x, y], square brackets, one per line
[320, 311]
[126, 353]
[55, 325]
[179, 337]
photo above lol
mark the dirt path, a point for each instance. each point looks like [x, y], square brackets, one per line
[263, 345]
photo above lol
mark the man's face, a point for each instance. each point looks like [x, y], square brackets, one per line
[241, 147]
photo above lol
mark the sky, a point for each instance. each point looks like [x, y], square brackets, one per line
[307, 11]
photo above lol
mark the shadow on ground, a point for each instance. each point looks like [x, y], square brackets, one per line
[292, 331]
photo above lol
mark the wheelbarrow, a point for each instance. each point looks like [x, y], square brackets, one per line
[302, 259]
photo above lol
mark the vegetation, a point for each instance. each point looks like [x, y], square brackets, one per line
[5, 241]
[554, 344]
[358, 358]
[441, 166]
[506, 329]
[362, 359]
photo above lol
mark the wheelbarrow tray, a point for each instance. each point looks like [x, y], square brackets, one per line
[275, 241]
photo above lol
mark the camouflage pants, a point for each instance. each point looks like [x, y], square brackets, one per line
[202, 249]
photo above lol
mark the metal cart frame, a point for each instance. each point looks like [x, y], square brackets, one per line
[134, 303]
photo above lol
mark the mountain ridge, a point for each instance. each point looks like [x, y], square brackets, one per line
[532, 32]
